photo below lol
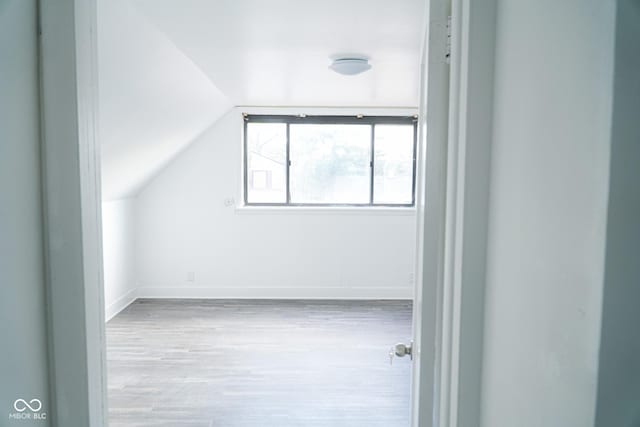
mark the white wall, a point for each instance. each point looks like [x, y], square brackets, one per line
[119, 255]
[619, 369]
[550, 156]
[23, 339]
[182, 225]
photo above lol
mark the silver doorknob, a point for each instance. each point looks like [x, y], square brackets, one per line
[400, 350]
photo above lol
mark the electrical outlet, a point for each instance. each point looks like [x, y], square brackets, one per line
[229, 201]
[191, 276]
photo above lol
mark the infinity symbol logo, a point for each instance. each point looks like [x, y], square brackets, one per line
[21, 405]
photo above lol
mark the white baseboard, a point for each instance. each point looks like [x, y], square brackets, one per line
[120, 304]
[399, 293]
[377, 293]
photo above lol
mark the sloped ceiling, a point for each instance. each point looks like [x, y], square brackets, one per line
[169, 69]
[153, 99]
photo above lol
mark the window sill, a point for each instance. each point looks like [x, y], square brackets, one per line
[326, 210]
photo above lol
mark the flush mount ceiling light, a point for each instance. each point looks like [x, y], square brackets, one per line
[350, 65]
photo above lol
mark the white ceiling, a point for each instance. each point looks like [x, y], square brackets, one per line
[169, 69]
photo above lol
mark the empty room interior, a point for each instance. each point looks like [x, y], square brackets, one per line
[249, 213]
[259, 221]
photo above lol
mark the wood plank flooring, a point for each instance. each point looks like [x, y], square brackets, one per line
[258, 363]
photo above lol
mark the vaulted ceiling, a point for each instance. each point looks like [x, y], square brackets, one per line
[169, 69]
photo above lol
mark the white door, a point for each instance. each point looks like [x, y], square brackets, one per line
[430, 204]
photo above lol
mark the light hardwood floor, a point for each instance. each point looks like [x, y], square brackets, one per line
[255, 363]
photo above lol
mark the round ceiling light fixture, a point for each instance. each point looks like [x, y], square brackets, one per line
[350, 65]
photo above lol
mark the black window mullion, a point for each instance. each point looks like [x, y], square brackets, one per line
[415, 162]
[372, 163]
[246, 162]
[288, 173]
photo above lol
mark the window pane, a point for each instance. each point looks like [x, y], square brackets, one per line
[393, 164]
[330, 163]
[266, 158]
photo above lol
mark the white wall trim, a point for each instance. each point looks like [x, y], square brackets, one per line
[460, 345]
[471, 134]
[317, 293]
[120, 304]
[325, 210]
[329, 111]
[451, 263]
[228, 292]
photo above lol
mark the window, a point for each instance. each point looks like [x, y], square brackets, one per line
[329, 161]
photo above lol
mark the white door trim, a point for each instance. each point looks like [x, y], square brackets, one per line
[72, 204]
[453, 220]
[470, 136]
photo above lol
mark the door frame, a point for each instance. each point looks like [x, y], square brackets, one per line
[450, 275]
[72, 213]
[455, 125]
